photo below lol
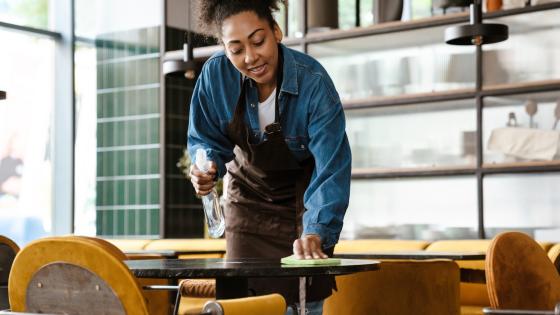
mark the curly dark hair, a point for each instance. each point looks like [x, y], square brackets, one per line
[211, 13]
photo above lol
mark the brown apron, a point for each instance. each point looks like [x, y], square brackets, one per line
[264, 208]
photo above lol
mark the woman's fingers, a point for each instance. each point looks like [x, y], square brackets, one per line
[201, 181]
[308, 247]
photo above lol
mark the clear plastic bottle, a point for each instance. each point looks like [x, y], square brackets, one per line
[211, 202]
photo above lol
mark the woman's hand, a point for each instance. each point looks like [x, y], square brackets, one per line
[309, 247]
[203, 182]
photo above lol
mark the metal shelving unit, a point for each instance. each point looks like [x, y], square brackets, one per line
[425, 100]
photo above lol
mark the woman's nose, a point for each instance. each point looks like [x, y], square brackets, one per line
[250, 56]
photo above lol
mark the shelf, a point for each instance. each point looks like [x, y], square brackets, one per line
[521, 88]
[388, 27]
[199, 53]
[202, 53]
[2, 95]
[528, 9]
[498, 168]
[521, 167]
[399, 26]
[378, 173]
[408, 99]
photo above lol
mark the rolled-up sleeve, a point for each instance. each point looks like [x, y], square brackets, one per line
[204, 125]
[326, 198]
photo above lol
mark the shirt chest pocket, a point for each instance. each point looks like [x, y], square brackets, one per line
[298, 146]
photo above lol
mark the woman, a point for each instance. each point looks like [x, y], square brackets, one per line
[275, 116]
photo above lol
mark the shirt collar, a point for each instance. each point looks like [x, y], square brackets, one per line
[289, 80]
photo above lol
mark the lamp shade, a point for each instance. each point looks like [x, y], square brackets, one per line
[179, 68]
[476, 33]
[182, 67]
[468, 34]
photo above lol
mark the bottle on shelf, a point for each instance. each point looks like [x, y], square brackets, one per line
[512, 120]
[493, 5]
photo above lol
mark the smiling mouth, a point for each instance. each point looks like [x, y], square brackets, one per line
[258, 69]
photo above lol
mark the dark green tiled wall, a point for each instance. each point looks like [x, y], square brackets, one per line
[128, 162]
[128, 139]
[127, 193]
[183, 213]
[126, 103]
[128, 136]
[142, 130]
[121, 223]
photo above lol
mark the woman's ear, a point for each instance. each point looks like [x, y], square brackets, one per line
[278, 35]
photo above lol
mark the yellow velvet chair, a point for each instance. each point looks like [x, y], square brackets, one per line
[195, 300]
[364, 245]
[399, 287]
[158, 300]
[194, 294]
[473, 296]
[47, 270]
[520, 275]
[271, 304]
[129, 244]
[8, 251]
[216, 248]
[554, 255]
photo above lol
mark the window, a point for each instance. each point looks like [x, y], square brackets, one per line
[26, 114]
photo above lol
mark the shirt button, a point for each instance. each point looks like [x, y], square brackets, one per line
[253, 105]
[303, 146]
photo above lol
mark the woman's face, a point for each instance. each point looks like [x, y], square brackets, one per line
[252, 46]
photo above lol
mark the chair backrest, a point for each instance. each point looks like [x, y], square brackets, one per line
[471, 294]
[8, 251]
[271, 304]
[519, 274]
[158, 300]
[554, 255]
[100, 283]
[399, 287]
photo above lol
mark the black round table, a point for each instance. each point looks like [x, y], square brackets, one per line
[414, 255]
[245, 268]
[232, 275]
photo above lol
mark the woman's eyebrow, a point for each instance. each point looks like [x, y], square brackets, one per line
[236, 41]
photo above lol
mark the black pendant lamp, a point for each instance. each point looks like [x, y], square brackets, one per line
[476, 33]
[187, 66]
[182, 67]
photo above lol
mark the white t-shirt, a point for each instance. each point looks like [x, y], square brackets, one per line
[266, 111]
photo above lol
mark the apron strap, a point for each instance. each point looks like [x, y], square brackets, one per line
[279, 78]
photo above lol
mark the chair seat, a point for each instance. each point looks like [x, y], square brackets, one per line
[400, 287]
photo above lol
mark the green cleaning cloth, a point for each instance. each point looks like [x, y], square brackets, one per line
[292, 260]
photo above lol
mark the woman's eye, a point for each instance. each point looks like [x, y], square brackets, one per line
[235, 52]
[259, 43]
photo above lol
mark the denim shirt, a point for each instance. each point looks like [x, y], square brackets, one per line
[312, 120]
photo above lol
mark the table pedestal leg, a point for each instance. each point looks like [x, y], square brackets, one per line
[302, 294]
[231, 288]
